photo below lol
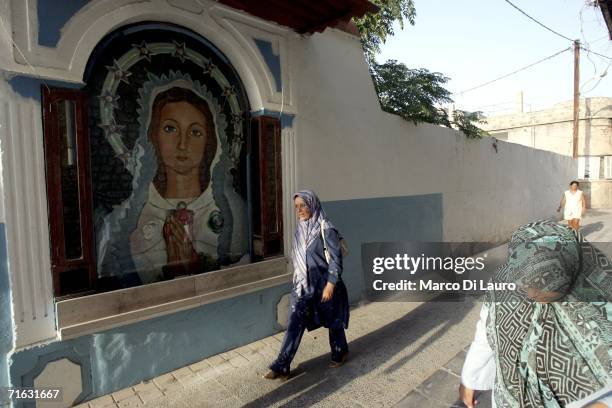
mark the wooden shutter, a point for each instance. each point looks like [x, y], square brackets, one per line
[68, 190]
[267, 191]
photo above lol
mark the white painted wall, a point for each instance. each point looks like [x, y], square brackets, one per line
[350, 149]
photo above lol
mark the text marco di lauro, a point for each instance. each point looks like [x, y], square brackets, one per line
[429, 285]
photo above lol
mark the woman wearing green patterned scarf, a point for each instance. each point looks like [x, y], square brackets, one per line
[549, 343]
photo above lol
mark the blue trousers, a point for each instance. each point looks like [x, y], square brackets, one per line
[293, 336]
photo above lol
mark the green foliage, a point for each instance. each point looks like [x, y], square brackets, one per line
[414, 94]
[418, 95]
[464, 121]
[376, 27]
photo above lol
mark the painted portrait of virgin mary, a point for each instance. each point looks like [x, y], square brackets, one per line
[179, 225]
[183, 217]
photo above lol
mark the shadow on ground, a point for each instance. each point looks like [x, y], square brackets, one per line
[312, 381]
[441, 389]
[598, 211]
[593, 227]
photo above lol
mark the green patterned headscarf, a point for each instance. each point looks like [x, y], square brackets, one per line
[551, 354]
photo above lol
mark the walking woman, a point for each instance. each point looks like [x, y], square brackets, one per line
[318, 296]
[547, 344]
[574, 205]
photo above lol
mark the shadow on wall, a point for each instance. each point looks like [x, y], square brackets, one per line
[424, 324]
[383, 219]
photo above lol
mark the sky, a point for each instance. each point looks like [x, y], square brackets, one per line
[474, 41]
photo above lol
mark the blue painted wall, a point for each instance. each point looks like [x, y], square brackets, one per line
[52, 17]
[272, 61]
[6, 325]
[407, 218]
[128, 355]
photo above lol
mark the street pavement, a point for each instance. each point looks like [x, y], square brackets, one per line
[597, 225]
[394, 347]
[402, 354]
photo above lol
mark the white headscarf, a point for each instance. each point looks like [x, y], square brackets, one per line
[306, 233]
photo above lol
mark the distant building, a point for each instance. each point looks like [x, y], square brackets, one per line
[552, 130]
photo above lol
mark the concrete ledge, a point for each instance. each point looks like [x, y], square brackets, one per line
[94, 313]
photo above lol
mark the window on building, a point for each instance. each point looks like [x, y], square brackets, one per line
[589, 167]
[267, 221]
[68, 188]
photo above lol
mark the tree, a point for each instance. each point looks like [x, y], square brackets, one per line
[413, 94]
[464, 121]
[374, 28]
[417, 95]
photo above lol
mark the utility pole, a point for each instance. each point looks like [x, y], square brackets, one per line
[576, 96]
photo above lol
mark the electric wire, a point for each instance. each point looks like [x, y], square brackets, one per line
[536, 21]
[551, 30]
[514, 72]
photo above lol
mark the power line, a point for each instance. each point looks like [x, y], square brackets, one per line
[514, 72]
[596, 75]
[595, 53]
[599, 39]
[584, 40]
[600, 77]
[587, 47]
[555, 32]
[536, 21]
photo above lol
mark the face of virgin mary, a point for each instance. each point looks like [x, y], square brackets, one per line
[181, 137]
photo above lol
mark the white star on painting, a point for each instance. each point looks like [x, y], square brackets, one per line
[228, 91]
[111, 128]
[179, 50]
[209, 68]
[118, 72]
[109, 99]
[143, 50]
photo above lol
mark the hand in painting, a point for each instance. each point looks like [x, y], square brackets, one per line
[179, 247]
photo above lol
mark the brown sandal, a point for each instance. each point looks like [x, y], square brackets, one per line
[336, 364]
[273, 375]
